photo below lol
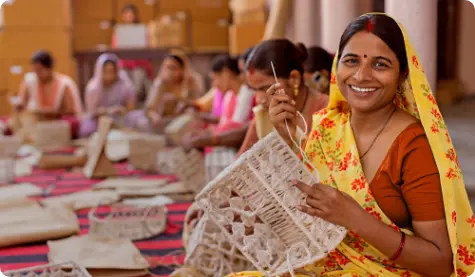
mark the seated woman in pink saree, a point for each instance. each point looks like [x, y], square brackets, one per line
[109, 92]
[48, 95]
[236, 109]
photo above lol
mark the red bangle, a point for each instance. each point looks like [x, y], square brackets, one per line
[401, 247]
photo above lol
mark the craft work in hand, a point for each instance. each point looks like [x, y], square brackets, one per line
[129, 222]
[259, 195]
[52, 134]
[218, 160]
[176, 129]
[143, 151]
[211, 253]
[188, 167]
[68, 269]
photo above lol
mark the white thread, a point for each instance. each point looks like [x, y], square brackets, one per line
[299, 145]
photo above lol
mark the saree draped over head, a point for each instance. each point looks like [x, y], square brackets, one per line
[191, 87]
[331, 143]
[98, 96]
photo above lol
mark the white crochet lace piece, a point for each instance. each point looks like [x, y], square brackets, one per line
[129, 222]
[210, 252]
[7, 170]
[258, 190]
[69, 269]
[188, 167]
[143, 151]
[52, 134]
[218, 160]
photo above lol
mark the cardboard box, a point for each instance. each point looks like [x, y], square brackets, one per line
[5, 107]
[209, 36]
[248, 17]
[147, 9]
[201, 10]
[21, 43]
[87, 11]
[170, 30]
[3, 74]
[34, 13]
[92, 36]
[243, 36]
[16, 69]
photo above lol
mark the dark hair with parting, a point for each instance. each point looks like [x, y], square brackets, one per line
[383, 27]
[178, 59]
[285, 56]
[131, 7]
[225, 61]
[245, 55]
[44, 58]
[318, 59]
[114, 63]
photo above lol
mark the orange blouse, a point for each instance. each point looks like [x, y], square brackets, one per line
[407, 185]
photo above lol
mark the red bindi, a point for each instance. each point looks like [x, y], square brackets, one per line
[370, 26]
[251, 69]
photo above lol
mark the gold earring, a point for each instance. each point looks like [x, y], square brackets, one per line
[296, 90]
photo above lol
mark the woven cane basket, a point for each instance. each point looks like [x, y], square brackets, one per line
[129, 222]
[188, 167]
[143, 151]
[211, 254]
[218, 160]
[69, 269]
[52, 134]
[260, 195]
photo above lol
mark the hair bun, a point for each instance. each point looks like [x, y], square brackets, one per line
[302, 52]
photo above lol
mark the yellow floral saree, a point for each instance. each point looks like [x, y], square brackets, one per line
[331, 127]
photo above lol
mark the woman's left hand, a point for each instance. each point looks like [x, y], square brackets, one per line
[332, 205]
[116, 110]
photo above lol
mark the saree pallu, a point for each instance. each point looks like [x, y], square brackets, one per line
[331, 140]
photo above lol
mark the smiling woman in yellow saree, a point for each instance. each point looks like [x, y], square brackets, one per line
[388, 169]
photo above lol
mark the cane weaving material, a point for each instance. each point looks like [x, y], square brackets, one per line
[211, 253]
[218, 160]
[7, 170]
[94, 252]
[52, 134]
[129, 222]
[188, 167]
[176, 129]
[143, 151]
[258, 190]
[9, 146]
[68, 269]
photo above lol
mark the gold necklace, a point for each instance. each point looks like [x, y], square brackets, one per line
[379, 133]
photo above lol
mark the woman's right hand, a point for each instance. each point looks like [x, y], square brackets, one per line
[282, 110]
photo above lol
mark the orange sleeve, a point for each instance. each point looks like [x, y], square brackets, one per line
[250, 139]
[421, 188]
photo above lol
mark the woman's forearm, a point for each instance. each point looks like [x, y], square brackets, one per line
[418, 255]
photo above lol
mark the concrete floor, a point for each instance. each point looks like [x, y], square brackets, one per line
[460, 120]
